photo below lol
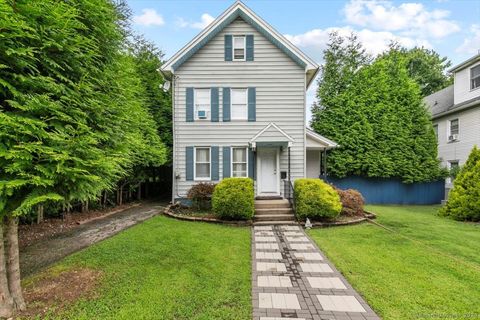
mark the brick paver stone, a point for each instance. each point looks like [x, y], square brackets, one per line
[293, 280]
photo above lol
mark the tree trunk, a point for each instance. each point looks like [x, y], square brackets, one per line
[40, 216]
[13, 265]
[139, 192]
[120, 196]
[6, 301]
[84, 206]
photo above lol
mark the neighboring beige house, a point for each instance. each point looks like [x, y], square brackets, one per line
[239, 107]
[456, 114]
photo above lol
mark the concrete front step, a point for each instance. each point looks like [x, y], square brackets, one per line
[274, 217]
[267, 204]
[272, 211]
[268, 223]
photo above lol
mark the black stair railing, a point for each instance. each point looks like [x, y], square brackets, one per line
[288, 193]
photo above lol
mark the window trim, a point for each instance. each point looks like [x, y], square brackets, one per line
[209, 112]
[195, 178]
[244, 47]
[246, 105]
[449, 129]
[472, 78]
[232, 162]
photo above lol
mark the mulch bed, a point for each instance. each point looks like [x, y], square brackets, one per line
[184, 213]
[50, 227]
[344, 220]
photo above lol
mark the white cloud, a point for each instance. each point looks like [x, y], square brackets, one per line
[471, 44]
[149, 17]
[205, 20]
[407, 18]
[375, 42]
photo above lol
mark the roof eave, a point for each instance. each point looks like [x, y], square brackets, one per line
[465, 63]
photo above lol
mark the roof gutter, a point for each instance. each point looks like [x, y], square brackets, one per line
[466, 106]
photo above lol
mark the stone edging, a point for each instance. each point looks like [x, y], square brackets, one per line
[169, 213]
[368, 216]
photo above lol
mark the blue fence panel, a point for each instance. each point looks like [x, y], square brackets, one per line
[393, 191]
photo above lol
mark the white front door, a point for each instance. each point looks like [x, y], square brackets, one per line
[268, 172]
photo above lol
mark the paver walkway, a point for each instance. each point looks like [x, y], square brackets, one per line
[292, 279]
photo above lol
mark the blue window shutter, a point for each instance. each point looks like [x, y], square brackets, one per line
[189, 105]
[252, 112]
[226, 162]
[251, 164]
[228, 47]
[189, 164]
[215, 163]
[249, 47]
[226, 104]
[214, 104]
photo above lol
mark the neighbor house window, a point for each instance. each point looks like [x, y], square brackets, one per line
[238, 48]
[453, 129]
[202, 163]
[435, 129]
[202, 104]
[239, 109]
[453, 167]
[239, 162]
[475, 77]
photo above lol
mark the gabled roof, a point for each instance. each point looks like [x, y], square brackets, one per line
[465, 63]
[238, 9]
[325, 142]
[441, 103]
[271, 133]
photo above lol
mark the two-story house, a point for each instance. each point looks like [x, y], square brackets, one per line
[239, 103]
[456, 114]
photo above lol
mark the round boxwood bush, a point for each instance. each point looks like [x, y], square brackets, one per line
[233, 199]
[316, 200]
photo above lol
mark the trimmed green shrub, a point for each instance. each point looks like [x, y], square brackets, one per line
[464, 199]
[201, 194]
[233, 199]
[352, 202]
[316, 200]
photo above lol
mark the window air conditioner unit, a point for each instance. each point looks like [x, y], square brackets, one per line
[202, 114]
[453, 137]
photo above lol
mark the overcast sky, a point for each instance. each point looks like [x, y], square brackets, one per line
[451, 27]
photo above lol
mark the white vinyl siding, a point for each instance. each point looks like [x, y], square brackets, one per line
[238, 48]
[239, 162]
[202, 103]
[469, 121]
[280, 98]
[239, 109]
[462, 89]
[202, 163]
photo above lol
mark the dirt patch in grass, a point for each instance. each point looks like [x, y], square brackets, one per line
[53, 292]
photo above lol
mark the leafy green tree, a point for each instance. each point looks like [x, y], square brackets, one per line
[464, 199]
[380, 123]
[74, 118]
[426, 67]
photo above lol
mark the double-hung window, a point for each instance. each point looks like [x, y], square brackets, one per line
[453, 129]
[239, 110]
[435, 129]
[239, 162]
[475, 77]
[202, 104]
[202, 163]
[238, 48]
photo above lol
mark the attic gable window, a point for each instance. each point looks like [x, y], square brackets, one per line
[475, 77]
[238, 48]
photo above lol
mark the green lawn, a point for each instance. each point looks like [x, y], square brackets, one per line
[168, 269]
[428, 267]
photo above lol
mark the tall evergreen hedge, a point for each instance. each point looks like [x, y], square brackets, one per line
[378, 119]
